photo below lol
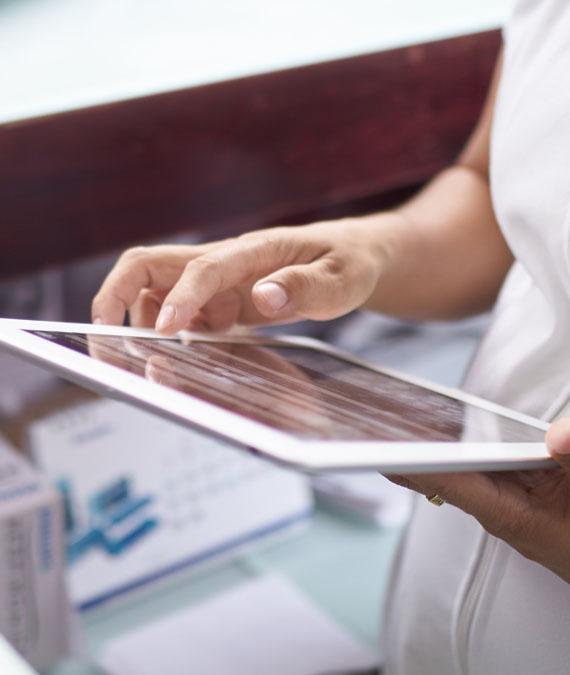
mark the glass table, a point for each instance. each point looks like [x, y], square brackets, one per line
[340, 563]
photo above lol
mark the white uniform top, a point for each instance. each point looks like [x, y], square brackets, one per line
[462, 601]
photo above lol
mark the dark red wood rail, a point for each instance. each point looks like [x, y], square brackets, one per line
[238, 154]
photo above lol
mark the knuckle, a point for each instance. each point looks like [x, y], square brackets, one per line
[206, 266]
[146, 296]
[271, 243]
[134, 254]
[267, 241]
[252, 235]
[301, 282]
[281, 234]
[334, 266]
[117, 298]
[255, 238]
[257, 235]
[144, 300]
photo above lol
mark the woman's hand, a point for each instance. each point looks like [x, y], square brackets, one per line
[530, 510]
[278, 275]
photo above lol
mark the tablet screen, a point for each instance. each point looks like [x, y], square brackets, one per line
[303, 391]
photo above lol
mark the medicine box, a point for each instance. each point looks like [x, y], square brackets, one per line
[34, 609]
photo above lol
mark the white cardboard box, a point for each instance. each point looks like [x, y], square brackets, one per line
[34, 610]
[205, 501]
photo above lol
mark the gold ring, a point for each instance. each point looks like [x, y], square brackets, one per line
[436, 500]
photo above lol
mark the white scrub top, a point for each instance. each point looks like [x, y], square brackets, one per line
[462, 601]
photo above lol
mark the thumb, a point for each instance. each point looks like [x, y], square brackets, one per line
[558, 442]
[310, 291]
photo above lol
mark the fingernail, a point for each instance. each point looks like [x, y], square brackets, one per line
[97, 320]
[166, 317]
[273, 294]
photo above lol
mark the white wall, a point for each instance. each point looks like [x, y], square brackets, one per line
[62, 54]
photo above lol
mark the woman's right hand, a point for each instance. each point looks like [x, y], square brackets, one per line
[277, 275]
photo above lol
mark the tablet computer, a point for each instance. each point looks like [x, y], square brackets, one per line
[293, 400]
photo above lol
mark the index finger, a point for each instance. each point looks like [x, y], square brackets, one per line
[240, 261]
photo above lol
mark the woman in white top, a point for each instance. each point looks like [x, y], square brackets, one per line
[482, 588]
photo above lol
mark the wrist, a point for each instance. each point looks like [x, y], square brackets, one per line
[387, 236]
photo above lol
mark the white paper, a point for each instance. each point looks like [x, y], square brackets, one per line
[12, 663]
[262, 627]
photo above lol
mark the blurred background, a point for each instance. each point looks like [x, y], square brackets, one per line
[126, 122]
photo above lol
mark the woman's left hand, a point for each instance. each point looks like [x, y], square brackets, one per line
[530, 510]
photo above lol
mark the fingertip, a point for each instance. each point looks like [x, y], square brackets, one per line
[166, 320]
[558, 437]
[108, 319]
[106, 313]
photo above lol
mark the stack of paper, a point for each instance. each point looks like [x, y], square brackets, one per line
[263, 626]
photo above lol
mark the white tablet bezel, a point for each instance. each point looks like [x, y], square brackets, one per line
[279, 446]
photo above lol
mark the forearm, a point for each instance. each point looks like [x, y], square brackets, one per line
[443, 253]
